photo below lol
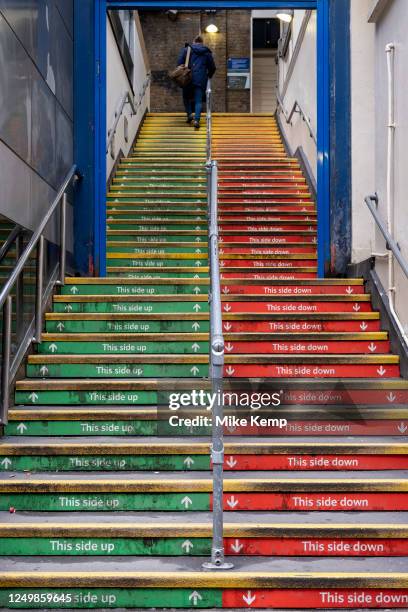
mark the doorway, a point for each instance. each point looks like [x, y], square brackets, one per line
[91, 17]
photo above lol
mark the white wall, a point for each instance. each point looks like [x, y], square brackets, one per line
[297, 81]
[118, 84]
[362, 42]
[369, 174]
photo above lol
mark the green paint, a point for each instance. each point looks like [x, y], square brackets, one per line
[127, 326]
[119, 370]
[92, 398]
[159, 274]
[156, 199]
[170, 547]
[104, 463]
[159, 250]
[135, 289]
[196, 261]
[159, 218]
[101, 428]
[135, 307]
[105, 502]
[73, 598]
[135, 238]
[116, 348]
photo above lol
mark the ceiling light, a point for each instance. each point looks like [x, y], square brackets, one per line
[285, 16]
[211, 28]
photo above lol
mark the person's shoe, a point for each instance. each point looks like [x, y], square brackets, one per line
[197, 125]
[189, 119]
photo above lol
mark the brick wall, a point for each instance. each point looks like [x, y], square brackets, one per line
[164, 39]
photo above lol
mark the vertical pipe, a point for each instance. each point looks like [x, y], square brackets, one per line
[390, 49]
[6, 360]
[216, 376]
[39, 288]
[19, 292]
[63, 239]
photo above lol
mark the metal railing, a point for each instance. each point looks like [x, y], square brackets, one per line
[209, 120]
[34, 329]
[216, 356]
[10, 241]
[296, 108]
[127, 98]
[393, 251]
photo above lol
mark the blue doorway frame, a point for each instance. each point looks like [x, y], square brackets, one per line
[90, 15]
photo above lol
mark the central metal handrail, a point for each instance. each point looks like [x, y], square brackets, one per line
[296, 108]
[37, 242]
[216, 355]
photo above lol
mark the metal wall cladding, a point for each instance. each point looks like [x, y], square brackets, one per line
[36, 94]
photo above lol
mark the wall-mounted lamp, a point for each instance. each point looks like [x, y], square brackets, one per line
[285, 15]
[211, 28]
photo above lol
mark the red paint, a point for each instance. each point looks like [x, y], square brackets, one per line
[300, 326]
[306, 347]
[312, 461]
[261, 218]
[267, 240]
[310, 371]
[266, 275]
[302, 599]
[294, 307]
[344, 396]
[377, 427]
[268, 263]
[254, 208]
[307, 546]
[269, 228]
[323, 501]
[264, 250]
[289, 290]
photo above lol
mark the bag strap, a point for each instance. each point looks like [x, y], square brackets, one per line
[186, 63]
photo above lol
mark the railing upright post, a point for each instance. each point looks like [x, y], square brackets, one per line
[216, 376]
[63, 239]
[6, 360]
[19, 292]
[39, 288]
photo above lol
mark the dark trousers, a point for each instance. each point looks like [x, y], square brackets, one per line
[193, 101]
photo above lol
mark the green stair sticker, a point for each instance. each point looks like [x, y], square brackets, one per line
[159, 274]
[105, 463]
[137, 327]
[135, 289]
[135, 307]
[167, 547]
[92, 598]
[117, 370]
[92, 398]
[192, 347]
[105, 502]
[102, 428]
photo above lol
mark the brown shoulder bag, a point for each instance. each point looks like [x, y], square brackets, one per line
[182, 75]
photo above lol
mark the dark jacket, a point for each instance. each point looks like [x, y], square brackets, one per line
[201, 63]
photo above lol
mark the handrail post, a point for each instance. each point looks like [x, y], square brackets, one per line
[19, 292]
[63, 239]
[216, 376]
[209, 119]
[39, 288]
[6, 359]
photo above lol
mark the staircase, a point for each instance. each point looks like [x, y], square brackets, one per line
[104, 504]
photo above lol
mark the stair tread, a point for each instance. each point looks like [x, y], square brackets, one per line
[251, 519]
[256, 572]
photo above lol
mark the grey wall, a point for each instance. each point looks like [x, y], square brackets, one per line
[36, 104]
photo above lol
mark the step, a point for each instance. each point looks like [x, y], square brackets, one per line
[192, 492]
[132, 304]
[114, 324]
[88, 455]
[130, 392]
[141, 536]
[124, 583]
[303, 421]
